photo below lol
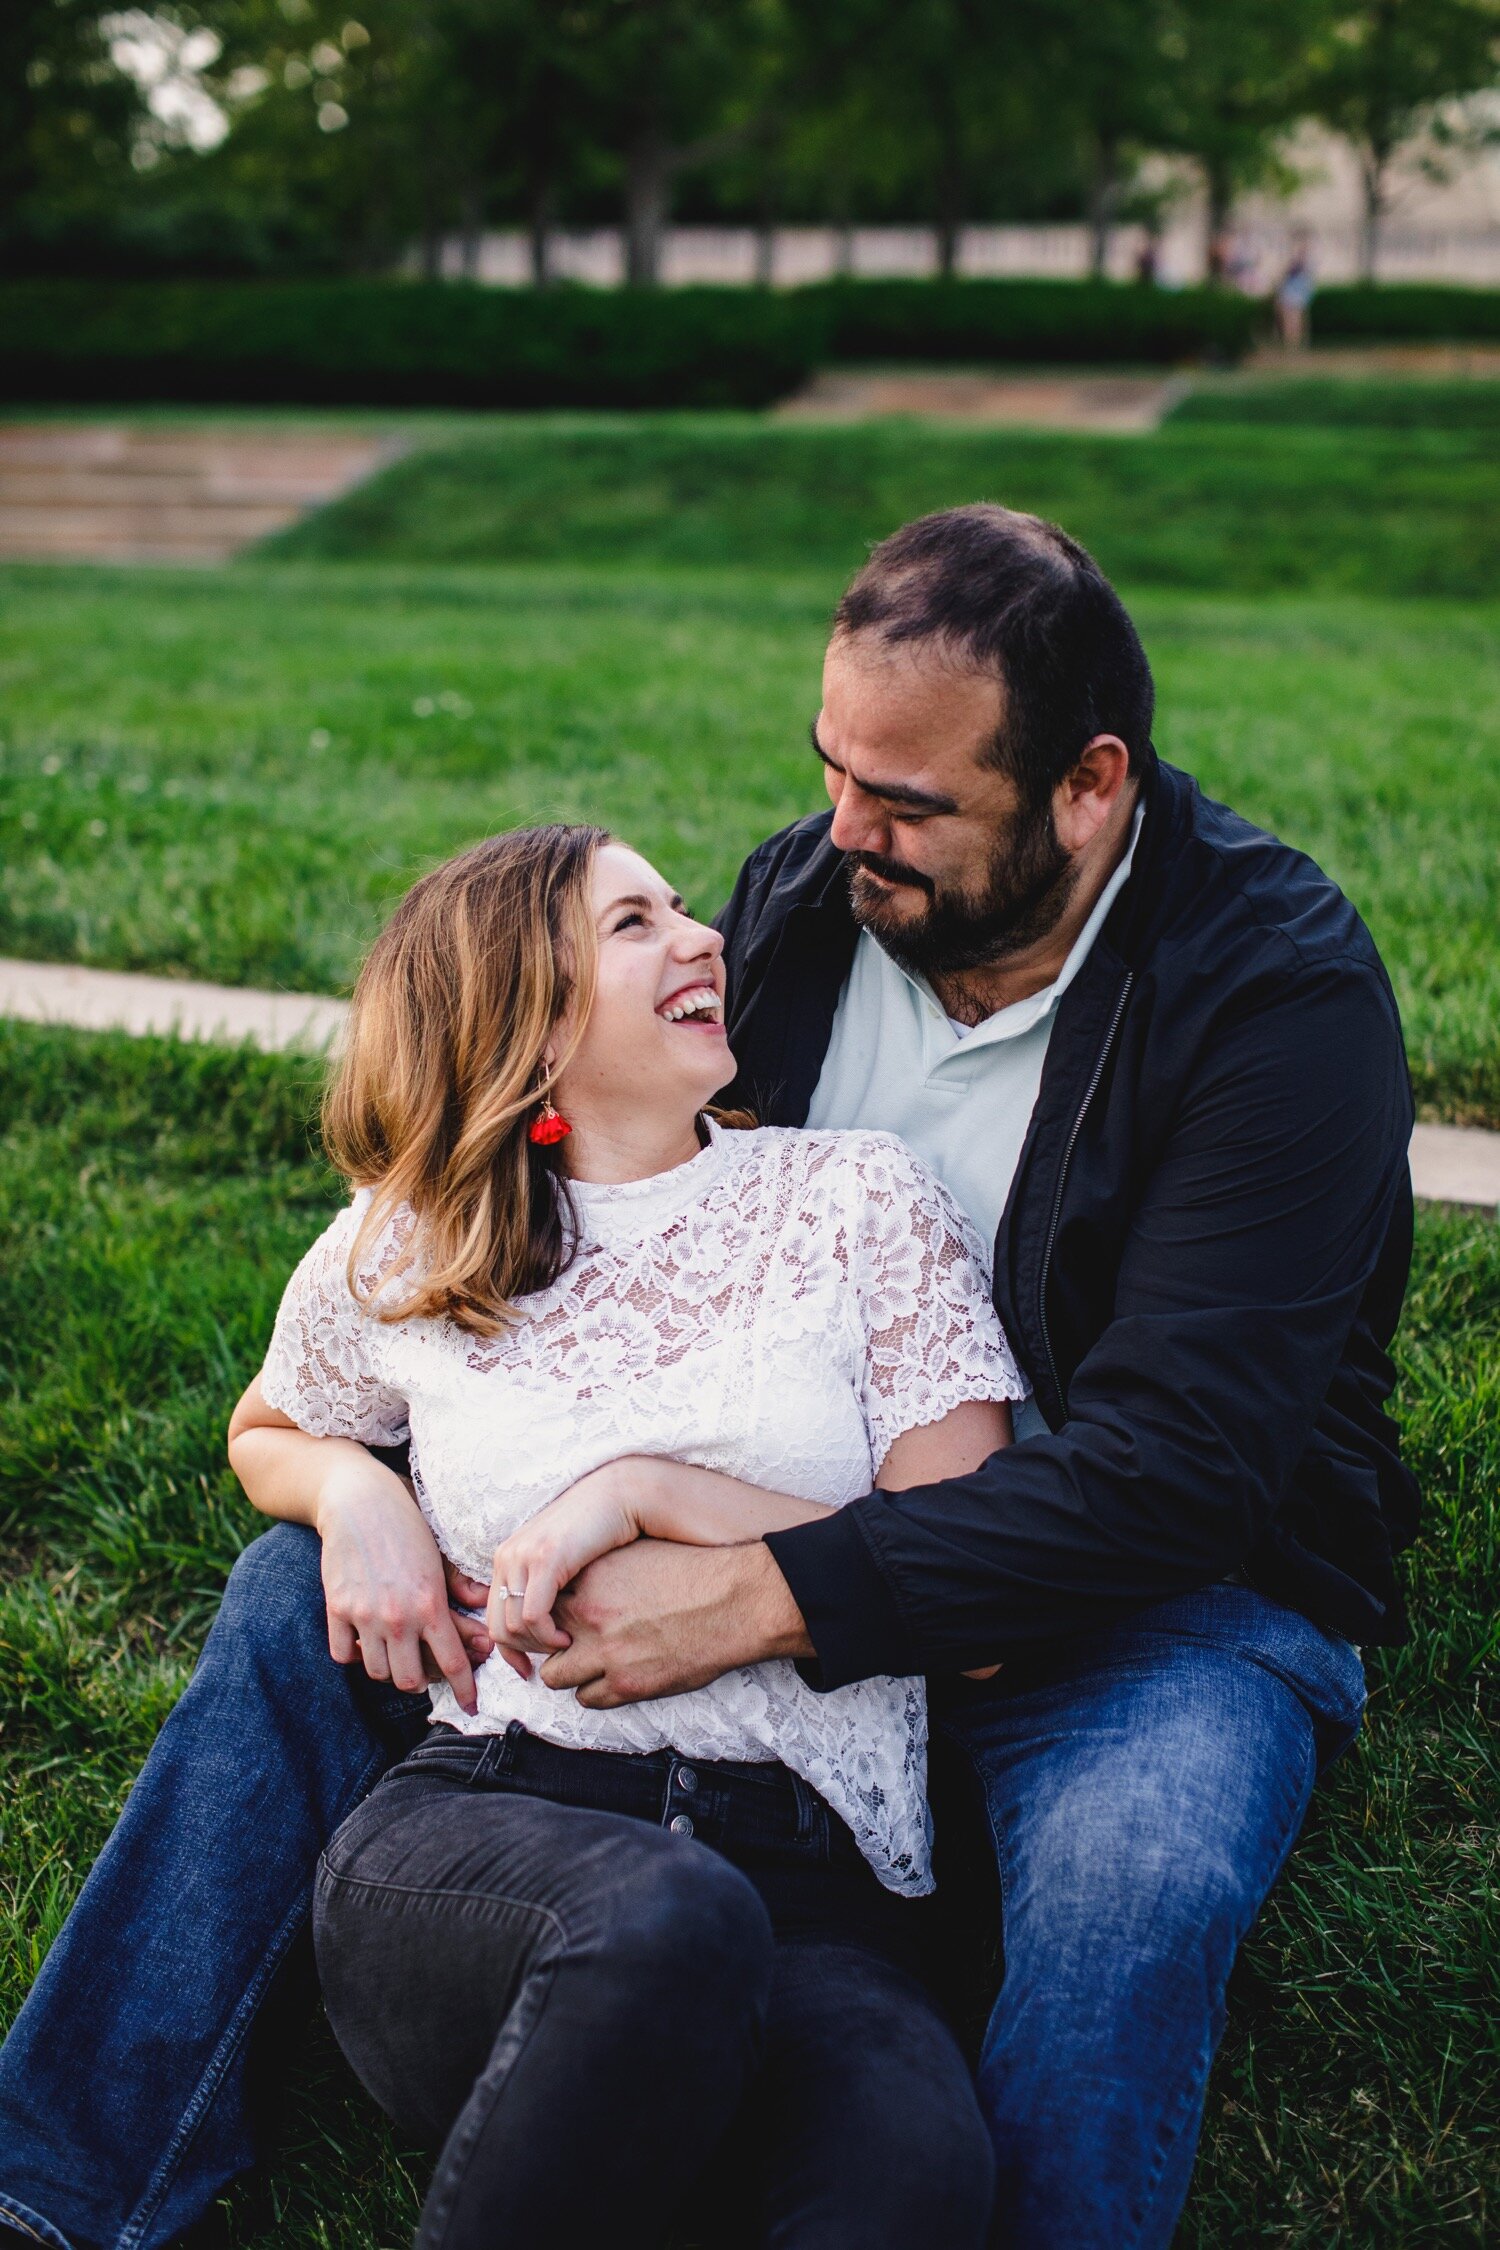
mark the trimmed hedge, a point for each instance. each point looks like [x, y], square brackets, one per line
[391, 343]
[381, 343]
[385, 343]
[1405, 313]
[1064, 322]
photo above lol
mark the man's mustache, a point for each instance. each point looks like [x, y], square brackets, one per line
[893, 871]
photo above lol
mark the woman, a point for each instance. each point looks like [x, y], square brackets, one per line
[574, 1946]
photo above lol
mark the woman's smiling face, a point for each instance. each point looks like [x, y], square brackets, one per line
[654, 1038]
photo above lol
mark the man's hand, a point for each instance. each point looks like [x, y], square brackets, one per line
[384, 1584]
[549, 1551]
[656, 1618]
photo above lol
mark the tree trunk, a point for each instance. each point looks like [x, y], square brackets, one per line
[540, 221]
[950, 187]
[648, 201]
[1103, 196]
[1220, 202]
[765, 254]
[471, 225]
[1373, 164]
[765, 228]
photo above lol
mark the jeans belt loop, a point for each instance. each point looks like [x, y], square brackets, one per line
[811, 1816]
[498, 1756]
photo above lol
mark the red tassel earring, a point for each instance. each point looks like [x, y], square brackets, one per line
[548, 1129]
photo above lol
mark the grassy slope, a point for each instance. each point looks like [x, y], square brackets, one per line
[1242, 509]
[160, 806]
[1354, 2101]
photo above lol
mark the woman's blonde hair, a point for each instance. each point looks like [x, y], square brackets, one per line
[444, 1069]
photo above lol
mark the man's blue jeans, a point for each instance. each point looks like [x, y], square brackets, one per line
[1144, 1787]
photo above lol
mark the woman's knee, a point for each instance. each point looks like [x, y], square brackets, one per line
[925, 2166]
[687, 1918]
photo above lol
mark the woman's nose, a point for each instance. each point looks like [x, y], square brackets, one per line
[697, 939]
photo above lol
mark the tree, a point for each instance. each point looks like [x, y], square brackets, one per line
[66, 121]
[1381, 74]
[1107, 66]
[1239, 76]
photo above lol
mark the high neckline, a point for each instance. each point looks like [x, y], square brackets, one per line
[629, 1210]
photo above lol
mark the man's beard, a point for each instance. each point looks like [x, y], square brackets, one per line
[1023, 895]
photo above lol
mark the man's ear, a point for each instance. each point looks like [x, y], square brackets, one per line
[1085, 798]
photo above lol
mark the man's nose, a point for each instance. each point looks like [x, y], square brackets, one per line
[859, 823]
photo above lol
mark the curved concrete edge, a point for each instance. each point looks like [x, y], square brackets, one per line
[1456, 1164]
[1449, 1163]
[109, 1000]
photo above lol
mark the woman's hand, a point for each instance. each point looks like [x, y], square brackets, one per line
[384, 1583]
[534, 1564]
[382, 1573]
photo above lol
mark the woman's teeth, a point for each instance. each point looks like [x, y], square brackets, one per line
[703, 1002]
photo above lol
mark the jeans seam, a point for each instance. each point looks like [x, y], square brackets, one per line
[453, 2165]
[29, 2222]
[192, 2117]
[1292, 1823]
[375, 1884]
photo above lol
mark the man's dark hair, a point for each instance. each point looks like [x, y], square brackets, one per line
[1013, 596]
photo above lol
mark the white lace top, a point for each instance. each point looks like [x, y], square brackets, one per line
[781, 1308]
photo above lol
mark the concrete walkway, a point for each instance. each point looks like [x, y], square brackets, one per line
[105, 1000]
[1449, 1163]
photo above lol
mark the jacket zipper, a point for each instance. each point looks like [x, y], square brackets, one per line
[1062, 1181]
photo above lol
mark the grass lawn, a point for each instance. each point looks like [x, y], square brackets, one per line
[1243, 508]
[161, 1194]
[232, 774]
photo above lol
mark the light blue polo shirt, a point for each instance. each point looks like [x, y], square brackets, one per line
[961, 1098]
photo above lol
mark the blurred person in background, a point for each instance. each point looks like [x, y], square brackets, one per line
[1294, 295]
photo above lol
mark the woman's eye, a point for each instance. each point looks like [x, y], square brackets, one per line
[631, 922]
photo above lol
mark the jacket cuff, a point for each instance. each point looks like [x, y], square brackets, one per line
[850, 1612]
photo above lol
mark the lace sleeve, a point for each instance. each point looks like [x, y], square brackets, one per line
[320, 1366]
[931, 1336]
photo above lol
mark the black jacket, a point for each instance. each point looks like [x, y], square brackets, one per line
[1200, 1264]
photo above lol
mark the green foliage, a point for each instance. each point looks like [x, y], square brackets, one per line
[1401, 312]
[387, 343]
[1246, 511]
[1064, 322]
[1353, 2100]
[1386, 70]
[1327, 402]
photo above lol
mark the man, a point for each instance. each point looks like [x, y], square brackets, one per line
[1155, 1054]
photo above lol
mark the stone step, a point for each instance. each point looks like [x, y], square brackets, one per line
[113, 493]
[139, 529]
[46, 485]
[1449, 1163]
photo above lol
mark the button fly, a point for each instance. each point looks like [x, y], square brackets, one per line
[680, 1825]
[687, 1780]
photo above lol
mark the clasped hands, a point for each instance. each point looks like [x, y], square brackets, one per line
[616, 1616]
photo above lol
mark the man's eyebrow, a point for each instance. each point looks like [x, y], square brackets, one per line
[891, 792]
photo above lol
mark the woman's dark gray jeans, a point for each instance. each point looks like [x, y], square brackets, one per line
[583, 1975]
